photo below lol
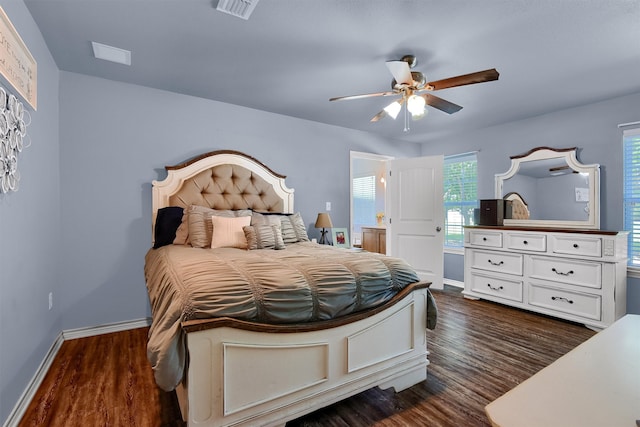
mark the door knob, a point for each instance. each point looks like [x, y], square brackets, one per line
[438, 229]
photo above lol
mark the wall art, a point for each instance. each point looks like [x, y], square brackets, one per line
[13, 132]
[17, 65]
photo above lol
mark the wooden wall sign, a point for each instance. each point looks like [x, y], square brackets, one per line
[16, 63]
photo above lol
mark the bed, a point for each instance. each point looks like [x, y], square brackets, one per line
[284, 332]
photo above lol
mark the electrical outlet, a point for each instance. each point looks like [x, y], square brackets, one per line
[50, 300]
[328, 208]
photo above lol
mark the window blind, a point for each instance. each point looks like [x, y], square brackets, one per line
[631, 173]
[364, 201]
[460, 179]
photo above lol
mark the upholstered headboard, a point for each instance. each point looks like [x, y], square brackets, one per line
[519, 208]
[222, 180]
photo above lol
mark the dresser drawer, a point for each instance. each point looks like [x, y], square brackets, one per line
[502, 262]
[526, 242]
[588, 274]
[579, 304]
[577, 245]
[503, 288]
[485, 238]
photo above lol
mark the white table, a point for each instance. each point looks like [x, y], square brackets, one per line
[596, 384]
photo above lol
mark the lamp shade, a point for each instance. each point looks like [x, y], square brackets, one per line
[415, 104]
[323, 221]
[393, 109]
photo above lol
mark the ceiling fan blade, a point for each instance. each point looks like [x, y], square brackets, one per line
[400, 71]
[441, 104]
[378, 116]
[366, 95]
[466, 79]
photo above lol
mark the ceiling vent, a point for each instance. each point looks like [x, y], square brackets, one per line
[110, 53]
[238, 8]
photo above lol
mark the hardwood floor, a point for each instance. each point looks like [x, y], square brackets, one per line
[479, 350]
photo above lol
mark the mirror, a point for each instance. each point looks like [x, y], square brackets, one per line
[549, 187]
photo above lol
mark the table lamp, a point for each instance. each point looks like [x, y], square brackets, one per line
[324, 222]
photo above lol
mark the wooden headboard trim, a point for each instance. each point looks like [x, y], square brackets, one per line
[218, 152]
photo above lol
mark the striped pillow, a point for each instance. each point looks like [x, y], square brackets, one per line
[263, 236]
[299, 227]
[229, 232]
[292, 226]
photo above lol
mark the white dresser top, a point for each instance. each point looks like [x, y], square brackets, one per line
[596, 384]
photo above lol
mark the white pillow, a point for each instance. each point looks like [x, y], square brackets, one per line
[228, 232]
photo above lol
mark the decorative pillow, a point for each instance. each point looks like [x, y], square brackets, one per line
[292, 225]
[259, 218]
[182, 233]
[228, 232]
[167, 222]
[298, 227]
[264, 236]
[200, 226]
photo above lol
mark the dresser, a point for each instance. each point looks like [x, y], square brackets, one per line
[374, 239]
[577, 275]
[595, 384]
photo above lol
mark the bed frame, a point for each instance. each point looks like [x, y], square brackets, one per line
[243, 373]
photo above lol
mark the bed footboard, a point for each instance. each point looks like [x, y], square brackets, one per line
[241, 377]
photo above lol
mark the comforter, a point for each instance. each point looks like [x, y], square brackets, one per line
[305, 282]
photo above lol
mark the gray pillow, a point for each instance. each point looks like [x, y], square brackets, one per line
[299, 227]
[263, 236]
[292, 226]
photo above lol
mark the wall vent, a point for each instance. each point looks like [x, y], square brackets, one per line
[239, 8]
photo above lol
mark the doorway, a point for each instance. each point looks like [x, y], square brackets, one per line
[367, 192]
[413, 220]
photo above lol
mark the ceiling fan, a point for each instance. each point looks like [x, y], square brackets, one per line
[410, 85]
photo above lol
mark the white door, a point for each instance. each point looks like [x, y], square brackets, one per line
[416, 215]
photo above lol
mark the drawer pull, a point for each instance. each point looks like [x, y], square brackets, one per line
[484, 239]
[493, 288]
[524, 242]
[575, 245]
[562, 299]
[562, 273]
[495, 263]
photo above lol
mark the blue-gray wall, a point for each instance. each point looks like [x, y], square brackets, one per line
[30, 231]
[592, 128]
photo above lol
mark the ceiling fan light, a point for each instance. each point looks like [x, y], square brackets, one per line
[393, 109]
[419, 115]
[415, 105]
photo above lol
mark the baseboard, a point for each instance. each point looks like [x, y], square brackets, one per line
[92, 331]
[32, 387]
[452, 282]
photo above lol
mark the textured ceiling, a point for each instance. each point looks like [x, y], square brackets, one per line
[291, 56]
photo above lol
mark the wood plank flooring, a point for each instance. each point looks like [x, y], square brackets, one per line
[479, 350]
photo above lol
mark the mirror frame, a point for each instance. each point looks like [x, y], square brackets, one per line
[569, 155]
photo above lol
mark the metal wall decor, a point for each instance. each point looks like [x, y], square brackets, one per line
[13, 130]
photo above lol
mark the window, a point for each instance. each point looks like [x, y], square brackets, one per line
[364, 202]
[631, 152]
[460, 178]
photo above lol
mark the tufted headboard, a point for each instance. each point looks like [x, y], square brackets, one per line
[519, 208]
[222, 180]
